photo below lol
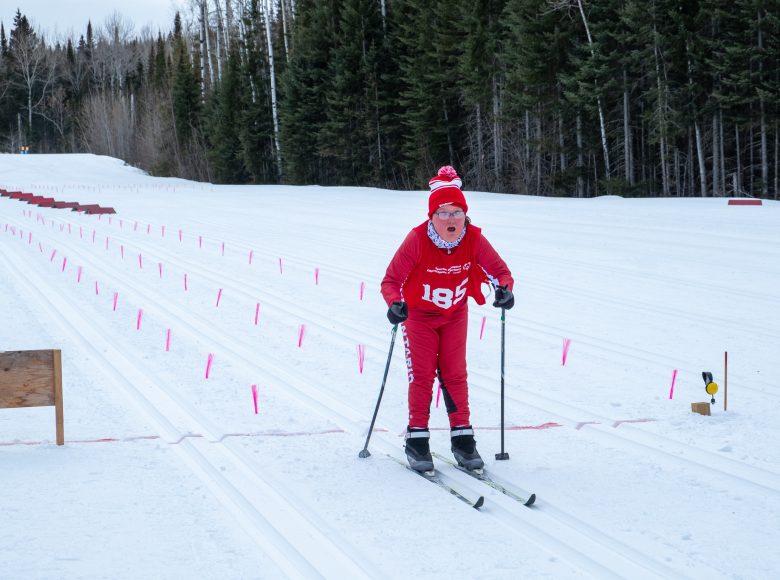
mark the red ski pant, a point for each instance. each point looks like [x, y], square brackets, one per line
[435, 342]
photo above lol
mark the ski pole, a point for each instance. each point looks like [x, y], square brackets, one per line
[365, 452]
[503, 455]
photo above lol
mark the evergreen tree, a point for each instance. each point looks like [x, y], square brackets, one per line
[347, 139]
[186, 92]
[431, 111]
[223, 125]
[304, 88]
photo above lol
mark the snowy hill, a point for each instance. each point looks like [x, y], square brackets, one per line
[169, 474]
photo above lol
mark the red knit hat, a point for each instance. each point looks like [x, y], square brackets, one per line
[445, 189]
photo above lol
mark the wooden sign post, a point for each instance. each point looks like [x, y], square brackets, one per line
[33, 378]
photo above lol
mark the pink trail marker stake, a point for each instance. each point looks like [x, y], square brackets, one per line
[223, 248]
[438, 394]
[208, 364]
[317, 276]
[280, 266]
[185, 281]
[81, 232]
[671, 390]
[159, 267]
[53, 253]
[257, 312]
[109, 220]
[566, 345]
[179, 236]
[78, 275]
[68, 229]
[138, 320]
[93, 236]
[219, 295]
[29, 238]
[121, 224]
[140, 262]
[64, 263]
[362, 288]
[97, 291]
[482, 328]
[200, 242]
[361, 350]
[254, 397]
[148, 228]
[163, 231]
[251, 253]
[122, 250]
[301, 332]
[168, 341]
[116, 297]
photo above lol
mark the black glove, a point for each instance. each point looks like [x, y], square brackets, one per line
[504, 298]
[398, 312]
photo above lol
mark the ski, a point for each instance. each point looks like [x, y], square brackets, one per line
[481, 476]
[433, 477]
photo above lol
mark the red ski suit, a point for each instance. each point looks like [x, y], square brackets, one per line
[435, 284]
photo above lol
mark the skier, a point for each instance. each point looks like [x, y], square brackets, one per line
[441, 262]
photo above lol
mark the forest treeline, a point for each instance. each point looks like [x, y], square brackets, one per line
[541, 97]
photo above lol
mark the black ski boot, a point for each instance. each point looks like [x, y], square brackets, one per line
[418, 451]
[464, 448]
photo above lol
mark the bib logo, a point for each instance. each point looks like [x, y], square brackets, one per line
[451, 270]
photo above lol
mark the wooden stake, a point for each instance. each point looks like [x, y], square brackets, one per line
[58, 410]
[725, 380]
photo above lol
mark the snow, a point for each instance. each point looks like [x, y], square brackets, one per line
[168, 474]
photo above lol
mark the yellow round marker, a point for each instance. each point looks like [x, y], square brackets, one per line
[711, 388]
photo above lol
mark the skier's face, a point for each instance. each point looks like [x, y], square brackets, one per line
[448, 226]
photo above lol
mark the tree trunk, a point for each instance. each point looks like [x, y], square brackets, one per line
[751, 148]
[661, 117]
[497, 144]
[480, 152]
[538, 151]
[527, 139]
[219, 39]
[627, 156]
[598, 98]
[202, 51]
[764, 154]
[715, 154]
[580, 163]
[738, 154]
[702, 166]
[285, 33]
[561, 143]
[207, 35]
[721, 141]
[228, 23]
[272, 74]
[777, 158]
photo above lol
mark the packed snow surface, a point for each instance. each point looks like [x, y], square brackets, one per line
[168, 474]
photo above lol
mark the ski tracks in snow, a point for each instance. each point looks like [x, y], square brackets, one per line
[301, 544]
[248, 494]
[265, 509]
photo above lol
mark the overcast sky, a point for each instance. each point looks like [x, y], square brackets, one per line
[68, 18]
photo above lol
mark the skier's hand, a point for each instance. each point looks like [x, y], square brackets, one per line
[504, 298]
[398, 312]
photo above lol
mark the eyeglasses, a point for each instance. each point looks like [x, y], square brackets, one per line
[443, 215]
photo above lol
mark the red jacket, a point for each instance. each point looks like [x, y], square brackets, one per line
[439, 280]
